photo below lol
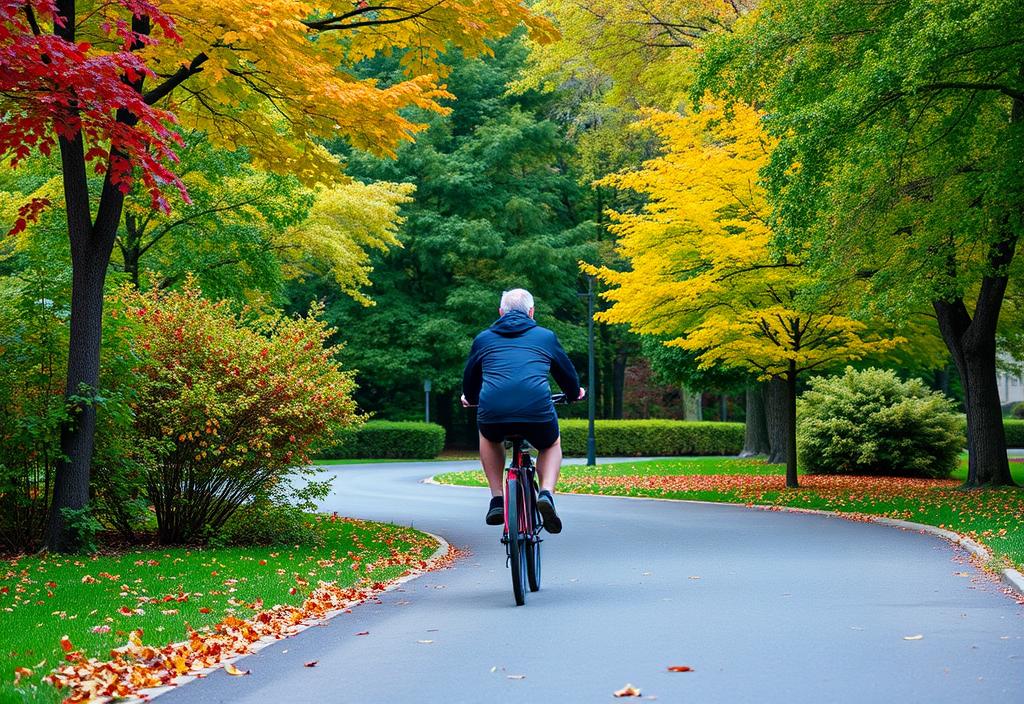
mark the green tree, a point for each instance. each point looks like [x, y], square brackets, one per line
[497, 205]
[902, 134]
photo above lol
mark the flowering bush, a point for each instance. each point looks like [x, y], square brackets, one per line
[871, 422]
[227, 405]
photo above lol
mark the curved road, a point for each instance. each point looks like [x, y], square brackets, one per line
[765, 606]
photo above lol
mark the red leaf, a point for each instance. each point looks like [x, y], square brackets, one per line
[311, 663]
[680, 668]
[65, 644]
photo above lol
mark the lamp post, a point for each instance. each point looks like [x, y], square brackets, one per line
[591, 440]
[426, 400]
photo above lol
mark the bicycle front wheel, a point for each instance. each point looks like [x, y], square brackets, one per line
[516, 541]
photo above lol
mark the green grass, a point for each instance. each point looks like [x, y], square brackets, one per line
[992, 516]
[674, 467]
[44, 598]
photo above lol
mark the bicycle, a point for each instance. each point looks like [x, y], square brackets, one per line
[522, 545]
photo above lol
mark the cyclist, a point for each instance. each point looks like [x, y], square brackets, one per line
[506, 375]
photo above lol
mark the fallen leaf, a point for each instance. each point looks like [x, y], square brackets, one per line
[20, 672]
[917, 637]
[101, 629]
[65, 644]
[204, 609]
[680, 668]
[311, 663]
[627, 691]
[232, 670]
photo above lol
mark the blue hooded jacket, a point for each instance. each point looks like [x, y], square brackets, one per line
[507, 371]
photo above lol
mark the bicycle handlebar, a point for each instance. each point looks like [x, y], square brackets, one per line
[557, 399]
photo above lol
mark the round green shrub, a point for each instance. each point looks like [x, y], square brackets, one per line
[1018, 411]
[871, 422]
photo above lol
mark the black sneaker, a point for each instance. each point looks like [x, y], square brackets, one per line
[496, 511]
[546, 506]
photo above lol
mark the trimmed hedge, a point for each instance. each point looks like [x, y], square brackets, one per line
[653, 438]
[384, 439]
[1014, 432]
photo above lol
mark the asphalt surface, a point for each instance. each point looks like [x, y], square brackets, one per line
[764, 606]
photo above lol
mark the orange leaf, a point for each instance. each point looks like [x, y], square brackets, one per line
[680, 668]
[20, 672]
[232, 670]
[627, 691]
[204, 609]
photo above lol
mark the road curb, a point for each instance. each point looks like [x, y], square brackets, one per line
[146, 695]
[1012, 578]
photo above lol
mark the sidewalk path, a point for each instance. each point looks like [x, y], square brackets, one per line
[764, 606]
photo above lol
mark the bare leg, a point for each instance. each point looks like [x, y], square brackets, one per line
[549, 464]
[492, 457]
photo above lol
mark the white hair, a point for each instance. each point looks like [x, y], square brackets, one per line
[516, 299]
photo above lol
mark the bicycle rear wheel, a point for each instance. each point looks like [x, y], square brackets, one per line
[533, 563]
[533, 546]
[516, 542]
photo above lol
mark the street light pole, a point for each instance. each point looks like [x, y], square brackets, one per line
[426, 400]
[591, 440]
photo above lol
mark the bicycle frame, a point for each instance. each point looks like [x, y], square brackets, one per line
[522, 469]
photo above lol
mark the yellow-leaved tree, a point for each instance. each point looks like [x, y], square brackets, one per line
[344, 222]
[702, 270]
[642, 49]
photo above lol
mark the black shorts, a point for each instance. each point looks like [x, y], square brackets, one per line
[541, 435]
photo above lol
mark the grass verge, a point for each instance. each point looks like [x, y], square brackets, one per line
[992, 516]
[98, 600]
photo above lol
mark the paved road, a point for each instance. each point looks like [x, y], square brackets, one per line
[787, 608]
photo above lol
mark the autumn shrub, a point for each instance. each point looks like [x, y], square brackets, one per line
[871, 422]
[653, 438]
[229, 406]
[265, 522]
[382, 439]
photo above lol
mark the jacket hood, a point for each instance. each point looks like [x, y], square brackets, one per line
[513, 323]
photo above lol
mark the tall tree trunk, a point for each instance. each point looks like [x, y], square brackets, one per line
[91, 245]
[973, 349]
[776, 418]
[692, 404]
[723, 407]
[791, 478]
[755, 440]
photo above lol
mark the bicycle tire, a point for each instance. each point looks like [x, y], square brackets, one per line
[516, 543]
[533, 548]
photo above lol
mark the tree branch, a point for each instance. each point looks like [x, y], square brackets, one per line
[175, 79]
